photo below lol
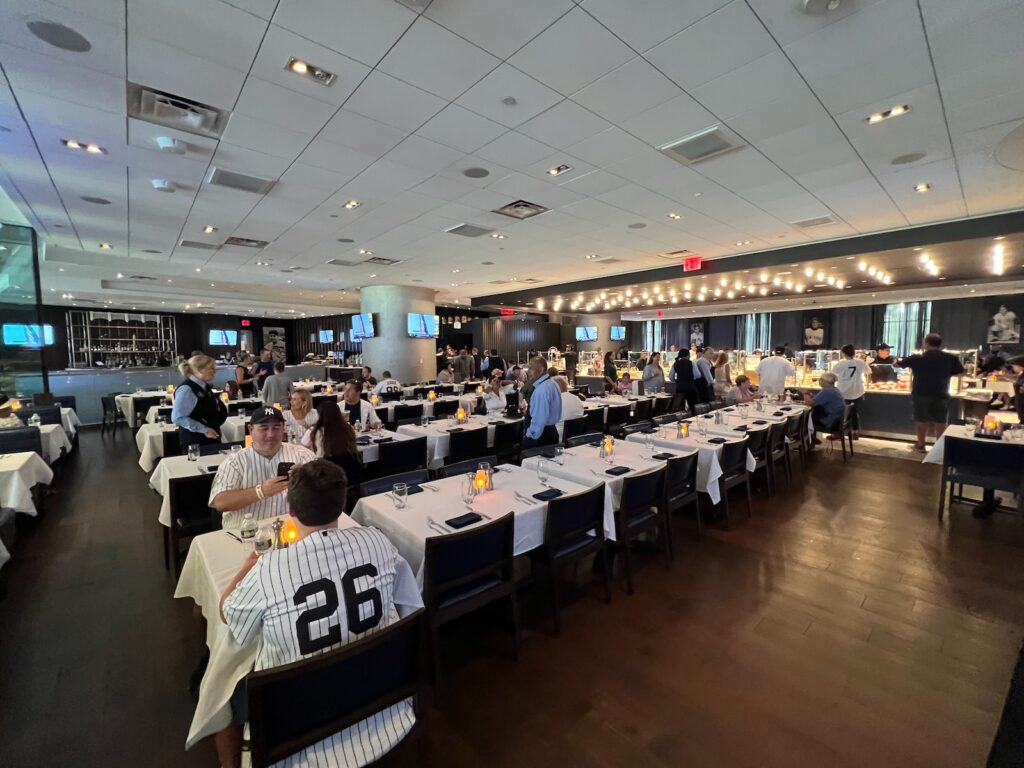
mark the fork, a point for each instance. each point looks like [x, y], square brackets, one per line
[522, 498]
[429, 487]
[432, 521]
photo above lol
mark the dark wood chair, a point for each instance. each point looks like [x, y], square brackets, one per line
[681, 485]
[142, 406]
[465, 571]
[734, 472]
[189, 499]
[48, 414]
[508, 441]
[617, 415]
[642, 410]
[996, 466]
[467, 444]
[573, 530]
[403, 455]
[665, 418]
[641, 509]
[463, 467]
[294, 706]
[701, 408]
[757, 444]
[43, 399]
[590, 438]
[844, 431]
[21, 440]
[797, 437]
[573, 427]
[659, 405]
[445, 408]
[172, 445]
[778, 451]
[385, 484]
[594, 420]
[112, 416]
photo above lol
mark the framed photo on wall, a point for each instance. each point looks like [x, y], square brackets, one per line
[274, 341]
[1003, 326]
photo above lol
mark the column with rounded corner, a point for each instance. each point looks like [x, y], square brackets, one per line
[392, 348]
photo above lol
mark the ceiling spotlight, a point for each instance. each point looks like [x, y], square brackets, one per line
[808, 271]
[998, 260]
[730, 295]
[675, 216]
[364, 252]
[591, 256]
[896, 111]
[789, 285]
[558, 170]
[831, 280]
[105, 246]
[922, 187]
[92, 149]
[764, 291]
[350, 204]
[872, 271]
[309, 71]
[886, 279]
[497, 236]
[119, 275]
[924, 258]
[198, 269]
[776, 280]
[820, 276]
[209, 229]
[799, 288]
[862, 266]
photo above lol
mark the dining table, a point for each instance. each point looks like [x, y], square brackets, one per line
[438, 434]
[126, 402]
[19, 474]
[55, 442]
[150, 442]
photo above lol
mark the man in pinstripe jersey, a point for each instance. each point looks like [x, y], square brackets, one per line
[247, 481]
[329, 588]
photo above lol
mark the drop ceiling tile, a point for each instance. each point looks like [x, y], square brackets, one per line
[532, 98]
[778, 116]
[28, 71]
[572, 52]
[461, 129]
[788, 22]
[259, 135]
[595, 183]
[51, 121]
[280, 45]
[514, 150]
[361, 133]
[417, 152]
[391, 101]
[808, 148]
[521, 187]
[168, 69]
[720, 42]
[432, 58]
[443, 188]
[363, 30]
[627, 91]
[611, 146]
[281, 106]
[750, 87]
[564, 124]
[455, 171]
[344, 161]
[495, 25]
[250, 162]
[675, 119]
[645, 23]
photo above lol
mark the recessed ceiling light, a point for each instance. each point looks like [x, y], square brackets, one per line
[92, 149]
[674, 216]
[455, 271]
[895, 111]
[105, 246]
[365, 252]
[309, 71]
[922, 187]
[558, 170]
[350, 204]
[209, 229]
[198, 269]
[59, 36]
[497, 236]
[119, 275]
[373, 274]
[591, 256]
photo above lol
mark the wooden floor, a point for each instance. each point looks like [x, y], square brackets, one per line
[841, 626]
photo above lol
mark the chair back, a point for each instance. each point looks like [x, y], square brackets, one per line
[508, 436]
[172, 445]
[757, 443]
[617, 414]
[777, 436]
[21, 440]
[643, 491]
[189, 497]
[594, 420]
[714, 405]
[681, 475]
[734, 457]
[793, 426]
[391, 397]
[659, 405]
[296, 705]
[143, 404]
[467, 444]
[404, 455]
[445, 407]
[700, 409]
[630, 429]
[473, 555]
[48, 414]
[642, 410]
[666, 418]
[844, 424]
[385, 484]
[406, 411]
[66, 401]
[573, 427]
[678, 402]
[110, 406]
[235, 408]
[322, 398]
[40, 399]
[382, 414]
[569, 517]
[469, 465]
[590, 438]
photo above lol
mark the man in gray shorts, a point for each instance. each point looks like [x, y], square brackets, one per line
[932, 369]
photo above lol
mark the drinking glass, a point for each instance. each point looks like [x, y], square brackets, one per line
[451, 422]
[559, 455]
[542, 472]
[468, 487]
[424, 420]
[971, 423]
[648, 443]
[702, 427]
[193, 452]
[400, 495]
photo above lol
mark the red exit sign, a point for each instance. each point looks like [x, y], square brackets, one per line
[246, 323]
[692, 263]
[507, 312]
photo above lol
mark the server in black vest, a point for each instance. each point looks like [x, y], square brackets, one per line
[198, 412]
[685, 377]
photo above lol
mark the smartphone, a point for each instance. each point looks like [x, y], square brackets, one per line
[284, 467]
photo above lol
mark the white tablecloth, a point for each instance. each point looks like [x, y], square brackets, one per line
[935, 454]
[213, 559]
[582, 464]
[150, 442]
[408, 528]
[437, 436]
[54, 440]
[154, 410]
[19, 472]
[178, 466]
[127, 402]
[233, 430]
[69, 420]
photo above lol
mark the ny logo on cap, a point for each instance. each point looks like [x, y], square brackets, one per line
[268, 411]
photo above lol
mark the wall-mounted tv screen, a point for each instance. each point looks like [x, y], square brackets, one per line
[223, 338]
[22, 335]
[327, 337]
[422, 326]
[362, 327]
[586, 333]
[618, 333]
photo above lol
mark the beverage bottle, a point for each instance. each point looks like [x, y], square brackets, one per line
[248, 529]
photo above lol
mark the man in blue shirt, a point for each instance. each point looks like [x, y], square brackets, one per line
[545, 406]
[826, 406]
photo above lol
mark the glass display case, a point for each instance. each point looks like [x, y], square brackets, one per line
[120, 340]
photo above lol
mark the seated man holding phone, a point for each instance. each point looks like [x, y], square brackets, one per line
[255, 479]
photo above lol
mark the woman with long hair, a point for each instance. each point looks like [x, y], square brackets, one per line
[198, 412]
[723, 378]
[654, 375]
[300, 416]
[611, 375]
[244, 376]
[333, 439]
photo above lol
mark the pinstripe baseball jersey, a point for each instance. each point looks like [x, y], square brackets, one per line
[294, 428]
[330, 588]
[247, 469]
[366, 414]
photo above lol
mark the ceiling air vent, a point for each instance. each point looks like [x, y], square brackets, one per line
[703, 145]
[380, 260]
[819, 221]
[521, 210]
[343, 263]
[198, 245]
[240, 181]
[177, 112]
[675, 255]
[469, 230]
[246, 242]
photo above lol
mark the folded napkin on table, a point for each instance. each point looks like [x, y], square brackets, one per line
[547, 494]
[383, 439]
[649, 430]
[454, 429]
[463, 520]
[759, 421]
[618, 470]
[663, 456]
[717, 440]
[740, 428]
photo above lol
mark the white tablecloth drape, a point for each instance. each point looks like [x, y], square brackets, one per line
[438, 437]
[55, 442]
[150, 442]
[69, 420]
[127, 402]
[937, 451]
[19, 472]
[179, 466]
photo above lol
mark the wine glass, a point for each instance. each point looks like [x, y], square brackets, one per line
[542, 472]
[400, 495]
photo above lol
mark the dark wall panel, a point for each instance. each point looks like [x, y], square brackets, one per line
[720, 332]
[306, 336]
[514, 337]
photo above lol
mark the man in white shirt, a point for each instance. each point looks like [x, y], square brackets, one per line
[572, 406]
[331, 587]
[851, 374]
[387, 384]
[773, 372]
[248, 481]
[706, 380]
[359, 411]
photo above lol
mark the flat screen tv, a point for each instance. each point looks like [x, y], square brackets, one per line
[362, 326]
[422, 326]
[223, 338]
[327, 337]
[618, 333]
[586, 333]
[24, 335]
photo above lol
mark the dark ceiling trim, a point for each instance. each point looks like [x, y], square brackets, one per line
[910, 237]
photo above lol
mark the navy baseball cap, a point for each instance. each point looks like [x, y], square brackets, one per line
[266, 414]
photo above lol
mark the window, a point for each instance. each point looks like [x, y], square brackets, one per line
[905, 326]
[652, 336]
[755, 331]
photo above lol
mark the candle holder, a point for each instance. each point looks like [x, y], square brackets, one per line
[223, 397]
[431, 395]
[480, 481]
[374, 400]
[460, 415]
[684, 430]
[248, 441]
[989, 429]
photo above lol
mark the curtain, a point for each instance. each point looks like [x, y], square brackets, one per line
[905, 325]
[754, 331]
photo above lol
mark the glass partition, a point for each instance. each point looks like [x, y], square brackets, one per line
[22, 333]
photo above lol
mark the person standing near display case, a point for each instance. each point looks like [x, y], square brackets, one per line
[851, 374]
[932, 369]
